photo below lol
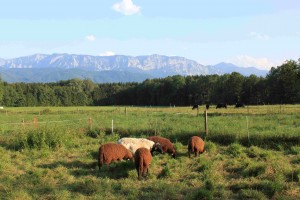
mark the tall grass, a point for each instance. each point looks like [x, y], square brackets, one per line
[39, 138]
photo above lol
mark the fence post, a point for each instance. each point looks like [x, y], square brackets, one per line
[205, 122]
[197, 111]
[125, 111]
[35, 122]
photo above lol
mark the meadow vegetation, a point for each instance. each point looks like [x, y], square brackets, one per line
[51, 153]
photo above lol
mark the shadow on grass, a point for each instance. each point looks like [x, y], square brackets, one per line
[182, 154]
[183, 137]
[115, 170]
[94, 155]
[70, 165]
[268, 188]
[264, 141]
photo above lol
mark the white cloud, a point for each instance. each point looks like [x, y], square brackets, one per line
[259, 36]
[90, 37]
[107, 53]
[248, 61]
[127, 7]
[298, 33]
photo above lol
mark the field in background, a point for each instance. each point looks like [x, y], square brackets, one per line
[51, 153]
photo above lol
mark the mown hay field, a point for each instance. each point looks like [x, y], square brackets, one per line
[51, 153]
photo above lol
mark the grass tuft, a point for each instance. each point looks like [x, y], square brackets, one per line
[166, 172]
[251, 194]
[210, 147]
[235, 150]
[254, 169]
[39, 139]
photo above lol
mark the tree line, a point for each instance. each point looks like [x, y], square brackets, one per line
[280, 86]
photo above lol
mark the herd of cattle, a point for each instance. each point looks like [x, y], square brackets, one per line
[219, 105]
[141, 151]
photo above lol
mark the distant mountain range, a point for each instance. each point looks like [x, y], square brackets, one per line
[227, 68]
[102, 69]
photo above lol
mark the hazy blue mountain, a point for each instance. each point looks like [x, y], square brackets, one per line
[32, 75]
[226, 68]
[100, 69]
[165, 64]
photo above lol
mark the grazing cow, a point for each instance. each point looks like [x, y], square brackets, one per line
[195, 107]
[207, 106]
[221, 105]
[239, 105]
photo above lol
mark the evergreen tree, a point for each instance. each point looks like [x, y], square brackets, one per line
[284, 83]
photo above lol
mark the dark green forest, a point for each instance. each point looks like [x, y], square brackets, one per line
[280, 86]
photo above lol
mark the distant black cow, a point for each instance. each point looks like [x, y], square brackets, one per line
[207, 106]
[221, 105]
[239, 105]
[195, 107]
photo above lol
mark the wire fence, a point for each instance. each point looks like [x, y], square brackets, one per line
[154, 119]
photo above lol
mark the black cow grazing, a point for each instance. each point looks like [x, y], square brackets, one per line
[195, 107]
[221, 105]
[239, 105]
[207, 106]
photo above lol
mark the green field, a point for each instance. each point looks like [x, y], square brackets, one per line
[51, 153]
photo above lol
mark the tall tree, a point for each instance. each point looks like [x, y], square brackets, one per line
[284, 83]
[233, 87]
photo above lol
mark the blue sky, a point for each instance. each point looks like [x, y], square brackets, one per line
[261, 33]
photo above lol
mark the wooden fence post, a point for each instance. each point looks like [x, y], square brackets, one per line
[35, 122]
[112, 126]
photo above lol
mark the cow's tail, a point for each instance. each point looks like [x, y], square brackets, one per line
[141, 166]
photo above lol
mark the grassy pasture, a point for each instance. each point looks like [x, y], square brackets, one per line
[252, 153]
